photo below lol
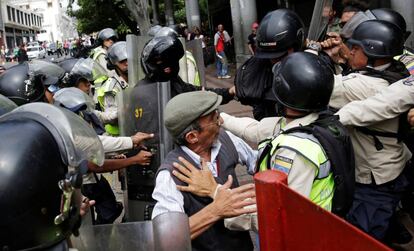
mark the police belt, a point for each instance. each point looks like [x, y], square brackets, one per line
[378, 145]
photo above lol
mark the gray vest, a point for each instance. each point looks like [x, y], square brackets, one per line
[217, 237]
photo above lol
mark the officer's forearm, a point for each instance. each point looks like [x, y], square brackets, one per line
[107, 117]
[110, 165]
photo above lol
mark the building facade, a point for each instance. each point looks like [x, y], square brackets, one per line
[18, 25]
[57, 25]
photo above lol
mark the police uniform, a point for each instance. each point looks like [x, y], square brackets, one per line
[386, 104]
[250, 129]
[99, 56]
[115, 144]
[387, 163]
[192, 70]
[379, 160]
[106, 96]
[301, 156]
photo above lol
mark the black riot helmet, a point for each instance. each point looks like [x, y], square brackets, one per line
[153, 30]
[279, 31]
[393, 17]
[21, 85]
[106, 33]
[168, 31]
[160, 53]
[116, 53]
[40, 192]
[378, 39]
[308, 90]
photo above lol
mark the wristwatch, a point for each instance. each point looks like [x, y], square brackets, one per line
[314, 46]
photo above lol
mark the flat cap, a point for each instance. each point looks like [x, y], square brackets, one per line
[185, 108]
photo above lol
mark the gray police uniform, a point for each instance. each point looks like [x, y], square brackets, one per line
[380, 161]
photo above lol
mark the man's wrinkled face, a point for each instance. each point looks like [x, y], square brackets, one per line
[357, 58]
[209, 128]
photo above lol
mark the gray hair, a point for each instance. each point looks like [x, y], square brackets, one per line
[180, 139]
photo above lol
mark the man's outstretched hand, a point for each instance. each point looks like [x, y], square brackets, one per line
[199, 181]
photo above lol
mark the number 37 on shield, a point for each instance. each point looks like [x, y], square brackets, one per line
[138, 112]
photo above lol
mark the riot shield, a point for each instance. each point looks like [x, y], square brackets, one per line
[320, 19]
[169, 231]
[195, 47]
[145, 112]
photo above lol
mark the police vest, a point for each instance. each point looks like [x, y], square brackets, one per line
[190, 58]
[407, 58]
[97, 52]
[113, 86]
[306, 146]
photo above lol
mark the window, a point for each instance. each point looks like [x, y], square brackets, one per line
[13, 14]
[18, 16]
[9, 13]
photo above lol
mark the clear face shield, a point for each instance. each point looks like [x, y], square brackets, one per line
[356, 20]
[89, 69]
[6, 105]
[73, 99]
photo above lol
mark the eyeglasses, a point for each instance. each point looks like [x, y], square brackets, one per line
[216, 122]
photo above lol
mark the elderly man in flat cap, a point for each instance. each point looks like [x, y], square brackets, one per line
[194, 122]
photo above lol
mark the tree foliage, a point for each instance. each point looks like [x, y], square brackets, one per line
[95, 15]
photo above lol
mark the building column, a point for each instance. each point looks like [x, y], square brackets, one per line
[169, 12]
[406, 8]
[155, 11]
[243, 14]
[192, 13]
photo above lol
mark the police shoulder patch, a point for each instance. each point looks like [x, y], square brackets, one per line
[409, 81]
[282, 163]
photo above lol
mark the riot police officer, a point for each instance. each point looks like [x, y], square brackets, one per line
[106, 94]
[280, 32]
[40, 196]
[96, 186]
[380, 158]
[105, 39]
[302, 97]
[160, 62]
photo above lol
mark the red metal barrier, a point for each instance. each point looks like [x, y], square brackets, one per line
[289, 221]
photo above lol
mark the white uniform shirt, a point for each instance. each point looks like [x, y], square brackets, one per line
[169, 199]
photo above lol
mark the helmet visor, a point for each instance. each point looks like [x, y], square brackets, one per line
[77, 141]
[6, 105]
[46, 68]
[89, 69]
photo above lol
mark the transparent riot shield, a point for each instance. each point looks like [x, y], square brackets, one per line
[140, 109]
[196, 49]
[167, 232]
[126, 118]
[146, 104]
[320, 19]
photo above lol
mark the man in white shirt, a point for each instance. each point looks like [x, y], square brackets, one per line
[194, 122]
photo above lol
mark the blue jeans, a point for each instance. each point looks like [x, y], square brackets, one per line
[221, 64]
